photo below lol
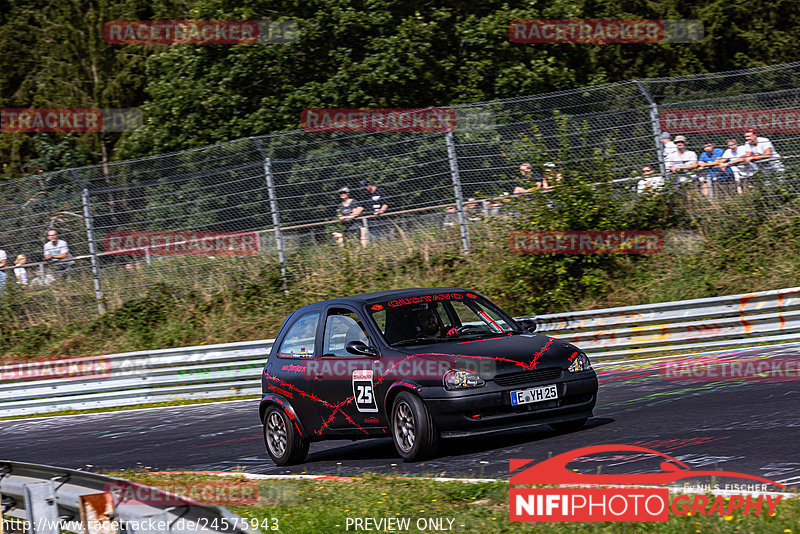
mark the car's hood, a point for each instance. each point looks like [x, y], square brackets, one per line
[501, 354]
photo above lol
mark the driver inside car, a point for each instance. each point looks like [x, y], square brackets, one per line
[427, 323]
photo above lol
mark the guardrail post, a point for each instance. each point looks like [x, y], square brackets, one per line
[89, 222]
[273, 204]
[41, 507]
[462, 221]
[656, 125]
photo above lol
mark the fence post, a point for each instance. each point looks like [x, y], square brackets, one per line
[273, 205]
[89, 222]
[656, 124]
[462, 220]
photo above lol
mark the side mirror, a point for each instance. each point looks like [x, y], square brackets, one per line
[528, 324]
[361, 348]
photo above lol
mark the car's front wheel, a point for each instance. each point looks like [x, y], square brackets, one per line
[414, 433]
[284, 444]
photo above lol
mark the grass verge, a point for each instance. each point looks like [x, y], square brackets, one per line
[324, 506]
[186, 402]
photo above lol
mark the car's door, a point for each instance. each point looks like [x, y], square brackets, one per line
[346, 381]
[290, 370]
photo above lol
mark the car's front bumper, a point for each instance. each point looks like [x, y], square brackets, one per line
[489, 409]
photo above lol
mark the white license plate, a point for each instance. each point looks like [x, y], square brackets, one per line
[528, 396]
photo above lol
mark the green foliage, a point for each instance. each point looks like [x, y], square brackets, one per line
[581, 199]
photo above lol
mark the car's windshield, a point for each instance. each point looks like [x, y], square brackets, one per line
[441, 317]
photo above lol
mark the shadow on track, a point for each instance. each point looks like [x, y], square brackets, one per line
[383, 448]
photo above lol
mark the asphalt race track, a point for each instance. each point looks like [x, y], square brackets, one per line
[749, 427]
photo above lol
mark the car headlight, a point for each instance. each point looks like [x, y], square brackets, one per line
[580, 362]
[459, 379]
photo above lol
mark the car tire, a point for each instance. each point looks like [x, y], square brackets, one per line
[413, 431]
[283, 441]
[569, 426]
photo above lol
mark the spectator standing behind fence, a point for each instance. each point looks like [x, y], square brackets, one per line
[348, 212]
[734, 159]
[708, 163]
[450, 217]
[539, 182]
[682, 160]
[376, 206]
[57, 249]
[649, 181]
[19, 271]
[669, 146]
[3, 260]
[762, 152]
[42, 278]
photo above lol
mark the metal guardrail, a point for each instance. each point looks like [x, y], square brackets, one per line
[747, 319]
[49, 498]
[234, 369]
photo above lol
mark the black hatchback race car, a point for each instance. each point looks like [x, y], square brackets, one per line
[419, 365]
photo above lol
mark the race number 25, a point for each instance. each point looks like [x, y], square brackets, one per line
[363, 392]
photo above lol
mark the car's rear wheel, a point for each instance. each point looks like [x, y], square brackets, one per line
[569, 426]
[284, 444]
[414, 433]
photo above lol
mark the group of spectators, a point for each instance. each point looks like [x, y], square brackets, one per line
[55, 250]
[735, 165]
[373, 203]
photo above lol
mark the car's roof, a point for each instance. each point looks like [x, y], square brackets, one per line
[377, 296]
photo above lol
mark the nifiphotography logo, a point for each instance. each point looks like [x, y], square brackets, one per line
[575, 496]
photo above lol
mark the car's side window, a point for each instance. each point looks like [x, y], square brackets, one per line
[341, 327]
[299, 340]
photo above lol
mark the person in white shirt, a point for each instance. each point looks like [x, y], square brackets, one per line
[734, 157]
[57, 249]
[762, 152]
[669, 146]
[19, 271]
[682, 160]
[42, 278]
[650, 181]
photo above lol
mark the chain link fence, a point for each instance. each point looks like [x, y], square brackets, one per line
[216, 215]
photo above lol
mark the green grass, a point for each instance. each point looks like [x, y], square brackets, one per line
[131, 407]
[319, 506]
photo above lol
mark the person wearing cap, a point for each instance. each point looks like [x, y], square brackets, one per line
[734, 159]
[669, 146]
[649, 181]
[348, 212]
[682, 160]
[375, 205]
[761, 152]
[708, 163]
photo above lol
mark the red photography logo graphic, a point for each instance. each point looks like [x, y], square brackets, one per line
[618, 503]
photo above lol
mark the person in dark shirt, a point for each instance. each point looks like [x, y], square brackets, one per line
[375, 205]
[347, 212]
